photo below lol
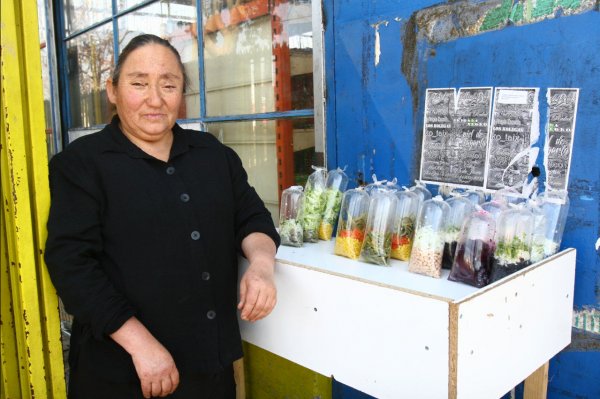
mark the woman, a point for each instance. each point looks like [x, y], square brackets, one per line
[145, 225]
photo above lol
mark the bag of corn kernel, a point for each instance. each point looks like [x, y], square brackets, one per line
[428, 246]
[337, 181]
[352, 223]
[404, 224]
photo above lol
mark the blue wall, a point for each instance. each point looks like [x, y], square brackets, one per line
[375, 112]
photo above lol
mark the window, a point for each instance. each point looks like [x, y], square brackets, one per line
[249, 63]
[49, 79]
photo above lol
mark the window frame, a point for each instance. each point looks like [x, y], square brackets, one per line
[317, 112]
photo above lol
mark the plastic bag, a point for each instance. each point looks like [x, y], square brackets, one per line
[352, 223]
[336, 184]
[314, 203]
[538, 241]
[377, 244]
[472, 262]
[290, 216]
[428, 247]
[555, 205]
[403, 233]
[514, 236]
[460, 209]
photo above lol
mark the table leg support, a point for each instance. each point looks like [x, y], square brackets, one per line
[536, 385]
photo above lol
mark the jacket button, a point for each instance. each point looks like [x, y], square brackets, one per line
[184, 197]
[195, 235]
[211, 314]
[170, 170]
[205, 276]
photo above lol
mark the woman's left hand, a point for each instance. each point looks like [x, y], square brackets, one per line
[258, 294]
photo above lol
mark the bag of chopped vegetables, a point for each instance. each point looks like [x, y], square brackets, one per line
[377, 245]
[290, 214]
[404, 224]
[314, 203]
[337, 181]
[351, 224]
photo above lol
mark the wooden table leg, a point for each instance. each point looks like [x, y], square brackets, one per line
[536, 385]
[240, 380]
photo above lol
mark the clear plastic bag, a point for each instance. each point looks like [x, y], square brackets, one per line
[555, 205]
[472, 262]
[378, 234]
[403, 233]
[514, 236]
[290, 216]
[428, 246]
[509, 195]
[336, 184]
[352, 223]
[494, 207]
[381, 185]
[477, 197]
[314, 203]
[538, 241]
[421, 190]
[460, 209]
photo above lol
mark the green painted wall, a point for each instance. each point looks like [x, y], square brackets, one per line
[269, 376]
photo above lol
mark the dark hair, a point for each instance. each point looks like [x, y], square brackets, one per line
[141, 41]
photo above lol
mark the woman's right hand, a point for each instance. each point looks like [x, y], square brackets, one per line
[156, 369]
[153, 363]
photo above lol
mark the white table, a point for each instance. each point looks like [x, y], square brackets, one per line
[393, 334]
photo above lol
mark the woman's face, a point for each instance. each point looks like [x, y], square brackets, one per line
[149, 93]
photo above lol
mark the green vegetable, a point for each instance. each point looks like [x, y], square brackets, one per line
[312, 213]
[377, 247]
[407, 227]
[512, 251]
[332, 202]
[451, 234]
[291, 233]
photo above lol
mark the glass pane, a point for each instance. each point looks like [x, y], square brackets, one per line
[124, 4]
[45, 78]
[258, 56]
[80, 14]
[89, 63]
[175, 22]
[257, 142]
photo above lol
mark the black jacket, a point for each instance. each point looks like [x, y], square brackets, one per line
[132, 235]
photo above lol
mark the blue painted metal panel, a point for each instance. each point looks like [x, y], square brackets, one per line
[379, 116]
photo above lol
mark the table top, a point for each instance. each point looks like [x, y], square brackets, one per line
[320, 257]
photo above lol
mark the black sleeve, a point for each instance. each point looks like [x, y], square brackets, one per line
[74, 247]
[251, 215]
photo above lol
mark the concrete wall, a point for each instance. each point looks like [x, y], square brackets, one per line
[382, 55]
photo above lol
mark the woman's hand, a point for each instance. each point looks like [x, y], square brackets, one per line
[258, 294]
[153, 363]
[156, 369]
